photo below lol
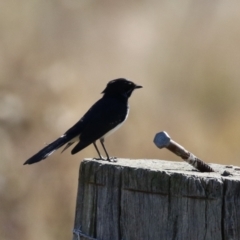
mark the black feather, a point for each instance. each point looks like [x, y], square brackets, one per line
[48, 150]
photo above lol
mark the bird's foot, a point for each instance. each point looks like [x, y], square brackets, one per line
[99, 158]
[112, 159]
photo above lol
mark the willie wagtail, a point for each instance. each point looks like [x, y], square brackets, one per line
[102, 119]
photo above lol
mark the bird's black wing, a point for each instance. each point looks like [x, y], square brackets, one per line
[104, 116]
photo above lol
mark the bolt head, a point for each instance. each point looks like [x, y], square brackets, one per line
[162, 139]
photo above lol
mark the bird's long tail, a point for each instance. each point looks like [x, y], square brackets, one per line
[48, 150]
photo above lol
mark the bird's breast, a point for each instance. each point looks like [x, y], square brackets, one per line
[117, 127]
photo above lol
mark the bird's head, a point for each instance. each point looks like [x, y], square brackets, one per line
[120, 86]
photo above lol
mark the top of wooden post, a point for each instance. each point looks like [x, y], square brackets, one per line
[172, 166]
[156, 199]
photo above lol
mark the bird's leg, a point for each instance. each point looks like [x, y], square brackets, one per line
[110, 159]
[100, 157]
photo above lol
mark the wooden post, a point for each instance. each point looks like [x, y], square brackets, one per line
[155, 199]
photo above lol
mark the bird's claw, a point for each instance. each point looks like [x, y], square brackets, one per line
[110, 159]
[99, 158]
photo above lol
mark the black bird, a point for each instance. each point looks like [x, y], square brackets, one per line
[102, 119]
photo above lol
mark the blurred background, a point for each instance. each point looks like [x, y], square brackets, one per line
[57, 56]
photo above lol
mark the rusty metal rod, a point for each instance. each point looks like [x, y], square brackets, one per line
[163, 140]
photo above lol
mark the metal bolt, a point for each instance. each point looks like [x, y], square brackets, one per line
[163, 140]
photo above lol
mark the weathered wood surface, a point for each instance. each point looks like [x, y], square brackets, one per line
[155, 199]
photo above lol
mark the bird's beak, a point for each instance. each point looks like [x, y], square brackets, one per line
[137, 86]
